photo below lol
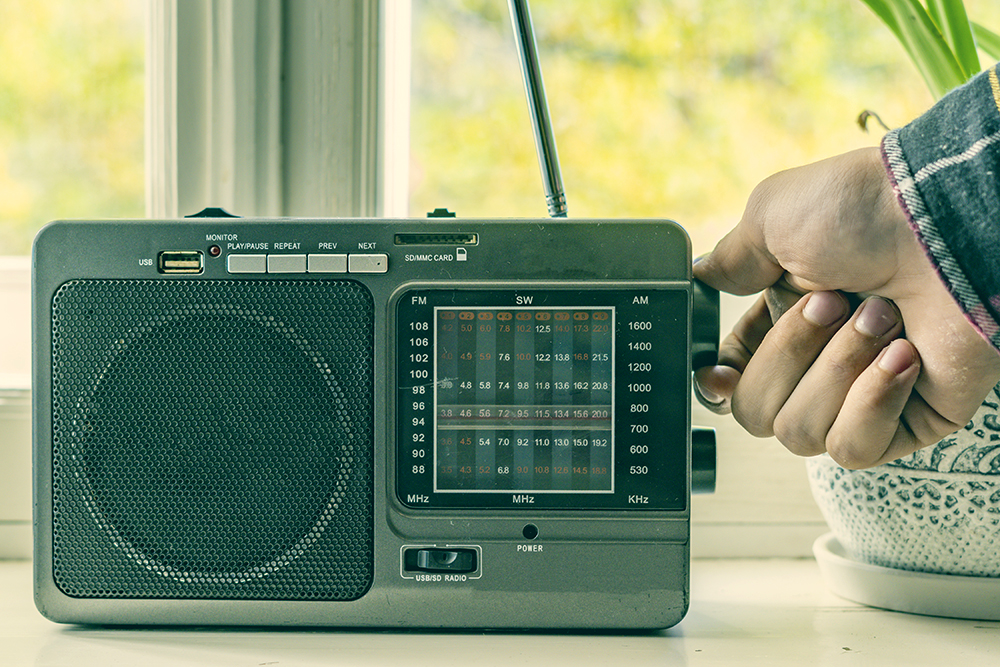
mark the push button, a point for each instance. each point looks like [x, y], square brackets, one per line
[428, 559]
[327, 263]
[247, 264]
[363, 263]
[286, 263]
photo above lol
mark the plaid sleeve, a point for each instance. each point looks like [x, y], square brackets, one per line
[945, 169]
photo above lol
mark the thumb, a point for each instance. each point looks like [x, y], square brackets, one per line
[740, 263]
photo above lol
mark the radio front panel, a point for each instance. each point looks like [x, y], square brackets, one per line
[431, 423]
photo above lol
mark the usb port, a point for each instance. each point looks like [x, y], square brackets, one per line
[180, 261]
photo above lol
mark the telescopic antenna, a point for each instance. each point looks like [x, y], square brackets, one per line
[538, 108]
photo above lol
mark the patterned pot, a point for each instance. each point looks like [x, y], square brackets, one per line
[936, 511]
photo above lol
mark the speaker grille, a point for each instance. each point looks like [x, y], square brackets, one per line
[212, 439]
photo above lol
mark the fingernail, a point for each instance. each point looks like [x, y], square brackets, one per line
[709, 397]
[824, 308]
[878, 316]
[897, 357]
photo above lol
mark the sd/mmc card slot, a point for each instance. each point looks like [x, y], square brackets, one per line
[436, 239]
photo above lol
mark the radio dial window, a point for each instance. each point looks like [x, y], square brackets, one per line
[547, 399]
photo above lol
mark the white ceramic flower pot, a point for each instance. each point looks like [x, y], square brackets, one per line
[933, 515]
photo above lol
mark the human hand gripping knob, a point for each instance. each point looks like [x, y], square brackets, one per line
[867, 383]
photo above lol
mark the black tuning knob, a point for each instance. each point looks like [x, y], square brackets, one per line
[702, 460]
[704, 325]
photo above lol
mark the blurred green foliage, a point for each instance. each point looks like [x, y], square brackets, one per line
[71, 114]
[939, 38]
[661, 108]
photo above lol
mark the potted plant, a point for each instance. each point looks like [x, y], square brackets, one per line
[922, 534]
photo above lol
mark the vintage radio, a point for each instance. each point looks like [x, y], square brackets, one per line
[372, 422]
[367, 422]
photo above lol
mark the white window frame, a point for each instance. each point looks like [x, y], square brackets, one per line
[277, 107]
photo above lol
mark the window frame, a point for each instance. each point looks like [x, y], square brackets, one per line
[277, 107]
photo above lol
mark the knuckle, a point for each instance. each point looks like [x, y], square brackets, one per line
[852, 454]
[755, 427]
[796, 438]
[752, 420]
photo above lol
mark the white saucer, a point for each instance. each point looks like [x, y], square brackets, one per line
[901, 590]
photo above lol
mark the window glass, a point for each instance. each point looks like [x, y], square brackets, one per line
[661, 108]
[71, 114]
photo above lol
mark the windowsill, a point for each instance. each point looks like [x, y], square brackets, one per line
[15, 330]
[15, 409]
[743, 612]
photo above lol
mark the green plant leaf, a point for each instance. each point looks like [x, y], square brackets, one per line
[881, 10]
[987, 40]
[925, 45]
[953, 23]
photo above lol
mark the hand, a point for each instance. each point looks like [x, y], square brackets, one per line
[905, 369]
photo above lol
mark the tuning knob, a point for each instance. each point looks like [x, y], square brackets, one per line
[702, 460]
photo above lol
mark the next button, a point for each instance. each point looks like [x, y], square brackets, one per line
[368, 263]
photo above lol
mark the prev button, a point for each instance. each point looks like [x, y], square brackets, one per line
[325, 263]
